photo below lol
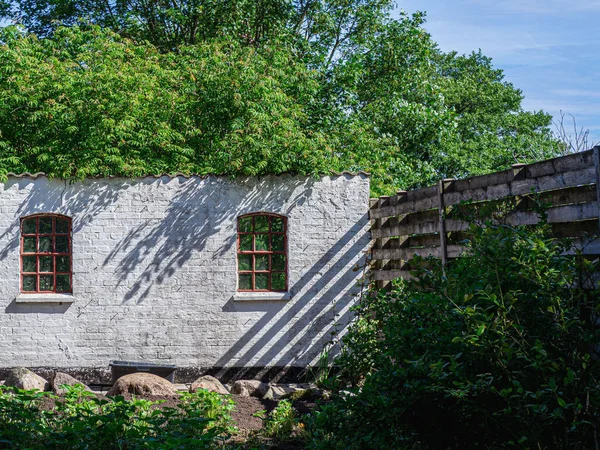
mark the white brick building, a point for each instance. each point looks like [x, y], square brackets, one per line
[158, 265]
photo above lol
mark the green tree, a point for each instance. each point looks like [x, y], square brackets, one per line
[329, 25]
[89, 102]
[339, 82]
[492, 130]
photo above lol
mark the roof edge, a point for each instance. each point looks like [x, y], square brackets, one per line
[188, 176]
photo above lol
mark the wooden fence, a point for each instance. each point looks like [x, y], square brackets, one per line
[414, 222]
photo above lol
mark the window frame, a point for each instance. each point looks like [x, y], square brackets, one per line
[255, 252]
[53, 253]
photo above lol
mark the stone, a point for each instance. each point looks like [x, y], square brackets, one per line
[249, 388]
[62, 378]
[298, 391]
[210, 384]
[142, 384]
[23, 378]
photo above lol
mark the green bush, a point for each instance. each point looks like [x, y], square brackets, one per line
[493, 353]
[281, 421]
[82, 421]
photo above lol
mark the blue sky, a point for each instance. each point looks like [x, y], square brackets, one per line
[550, 49]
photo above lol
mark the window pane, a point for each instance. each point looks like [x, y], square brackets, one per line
[245, 224]
[63, 263]
[277, 242]
[278, 281]
[246, 242]
[262, 281]
[63, 283]
[262, 242]
[262, 262]
[45, 225]
[245, 262]
[45, 244]
[62, 244]
[245, 281]
[276, 224]
[29, 244]
[29, 264]
[62, 226]
[29, 283]
[46, 282]
[278, 262]
[46, 263]
[29, 226]
[261, 224]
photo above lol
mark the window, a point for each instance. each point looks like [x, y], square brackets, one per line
[46, 254]
[262, 256]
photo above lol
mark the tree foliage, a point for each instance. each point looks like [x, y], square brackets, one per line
[91, 103]
[131, 87]
[494, 353]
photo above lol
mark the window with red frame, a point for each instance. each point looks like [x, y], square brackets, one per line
[262, 255]
[46, 254]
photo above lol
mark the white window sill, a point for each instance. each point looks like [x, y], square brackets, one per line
[261, 296]
[45, 298]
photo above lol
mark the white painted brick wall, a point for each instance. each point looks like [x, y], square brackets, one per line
[154, 271]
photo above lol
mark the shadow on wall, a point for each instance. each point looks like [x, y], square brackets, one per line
[157, 248]
[326, 319]
[54, 196]
[169, 235]
[164, 239]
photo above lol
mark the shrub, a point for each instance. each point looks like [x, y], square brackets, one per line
[82, 421]
[281, 421]
[493, 353]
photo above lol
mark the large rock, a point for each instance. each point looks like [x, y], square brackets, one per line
[61, 379]
[210, 384]
[23, 378]
[298, 391]
[142, 384]
[249, 388]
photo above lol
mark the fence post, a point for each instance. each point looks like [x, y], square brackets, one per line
[597, 166]
[520, 173]
[384, 200]
[443, 186]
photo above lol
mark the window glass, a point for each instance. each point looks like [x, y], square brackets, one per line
[262, 242]
[30, 226]
[278, 262]
[46, 254]
[262, 259]
[45, 224]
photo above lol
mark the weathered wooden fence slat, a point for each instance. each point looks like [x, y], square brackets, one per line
[416, 222]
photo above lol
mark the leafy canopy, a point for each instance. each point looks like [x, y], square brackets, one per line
[251, 88]
[90, 102]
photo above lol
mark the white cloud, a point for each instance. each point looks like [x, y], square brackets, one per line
[578, 93]
[544, 7]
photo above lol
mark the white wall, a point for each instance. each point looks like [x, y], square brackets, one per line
[154, 271]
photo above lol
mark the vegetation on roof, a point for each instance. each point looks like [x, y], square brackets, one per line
[251, 88]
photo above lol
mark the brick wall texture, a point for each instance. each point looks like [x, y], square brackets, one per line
[154, 271]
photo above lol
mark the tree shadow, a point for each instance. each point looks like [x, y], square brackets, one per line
[158, 247]
[167, 232]
[333, 280]
[42, 195]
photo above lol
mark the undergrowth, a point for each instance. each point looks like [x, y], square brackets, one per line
[82, 421]
[496, 351]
